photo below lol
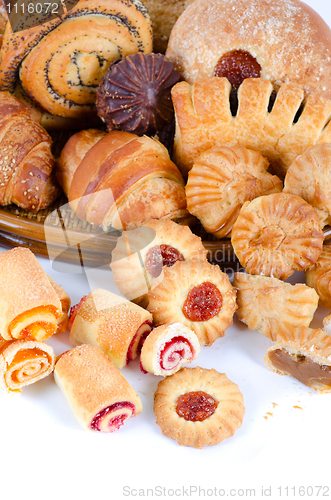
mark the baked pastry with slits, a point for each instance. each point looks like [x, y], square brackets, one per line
[198, 407]
[276, 235]
[269, 305]
[281, 125]
[220, 182]
[198, 295]
[305, 354]
[141, 254]
[309, 176]
[318, 276]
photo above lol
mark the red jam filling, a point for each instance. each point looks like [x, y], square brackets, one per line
[203, 302]
[114, 423]
[159, 256]
[174, 354]
[130, 353]
[236, 66]
[74, 310]
[196, 406]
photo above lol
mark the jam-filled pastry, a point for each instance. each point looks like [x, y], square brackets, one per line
[167, 348]
[112, 323]
[269, 305]
[30, 306]
[309, 176]
[196, 294]
[305, 354]
[276, 235]
[198, 407]
[221, 180]
[318, 276]
[63, 320]
[99, 395]
[24, 362]
[141, 254]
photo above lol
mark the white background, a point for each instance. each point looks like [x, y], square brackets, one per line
[284, 440]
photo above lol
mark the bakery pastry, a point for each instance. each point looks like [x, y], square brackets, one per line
[135, 94]
[105, 190]
[281, 125]
[99, 395]
[62, 322]
[140, 255]
[276, 235]
[318, 276]
[196, 294]
[309, 176]
[3, 20]
[115, 325]
[26, 162]
[284, 41]
[305, 354]
[327, 324]
[270, 306]
[221, 180]
[29, 304]
[24, 362]
[167, 348]
[198, 407]
[61, 62]
[164, 14]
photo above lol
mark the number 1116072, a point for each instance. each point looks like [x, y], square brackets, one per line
[304, 491]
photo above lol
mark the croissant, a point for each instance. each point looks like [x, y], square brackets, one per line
[121, 181]
[60, 63]
[26, 161]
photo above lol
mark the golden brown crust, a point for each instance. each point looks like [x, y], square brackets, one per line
[3, 20]
[91, 384]
[112, 323]
[318, 277]
[226, 419]
[276, 235]
[62, 322]
[167, 300]
[135, 248]
[270, 305]
[220, 182]
[204, 120]
[24, 362]
[290, 41]
[29, 304]
[301, 344]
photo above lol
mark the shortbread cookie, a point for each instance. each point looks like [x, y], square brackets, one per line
[309, 176]
[197, 294]
[269, 305]
[141, 254]
[198, 407]
[167, 348]
[305, 354]
[276, 235]
[99, 395]
[220, 182]
[112, 323]
[318, 276]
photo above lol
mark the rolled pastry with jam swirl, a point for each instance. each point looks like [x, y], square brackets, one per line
[114, 324]
[60, 63]
[99, 395]
[63, 320]
[167, 348]
[24, 362]
[30, 307]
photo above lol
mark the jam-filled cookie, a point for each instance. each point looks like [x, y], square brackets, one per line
[305, 354]
[198, 407]
[167, 348]
[141, 254]
[220, 182]
[318, 276]
[269, 305]
[276, 235]
[197, 294]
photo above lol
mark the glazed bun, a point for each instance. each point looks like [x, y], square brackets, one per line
[279, 40]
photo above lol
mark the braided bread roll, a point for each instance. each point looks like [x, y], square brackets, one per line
[122, 181]
[61, 62]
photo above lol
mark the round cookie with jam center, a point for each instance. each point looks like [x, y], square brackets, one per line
[198, 407]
